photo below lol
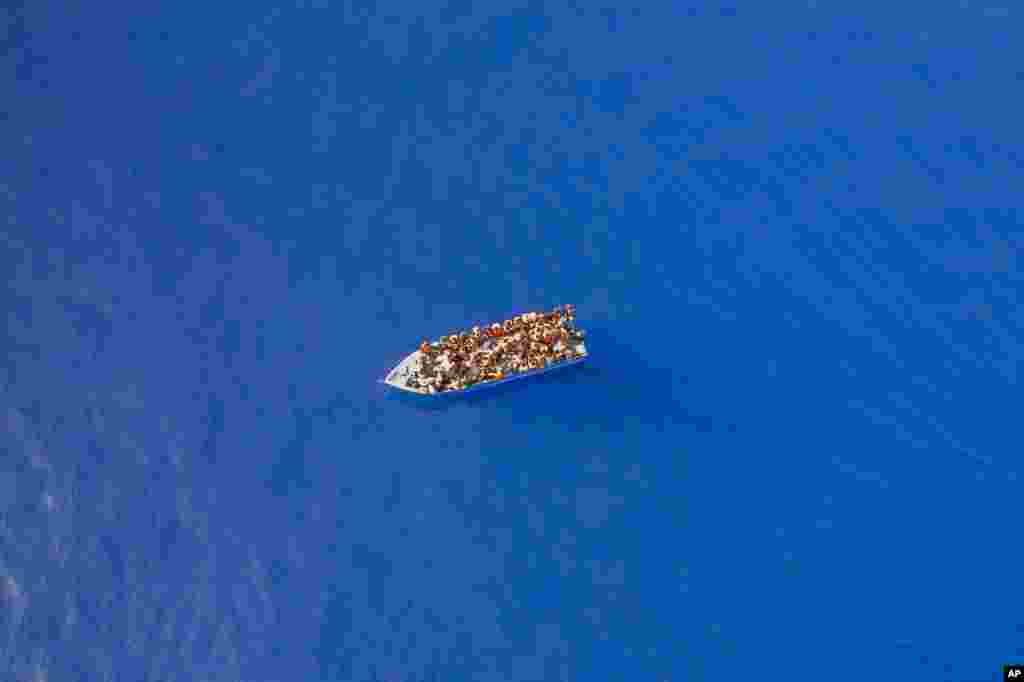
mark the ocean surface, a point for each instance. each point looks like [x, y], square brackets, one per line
[793, 231]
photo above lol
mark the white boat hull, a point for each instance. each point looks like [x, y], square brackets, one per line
[396, 377]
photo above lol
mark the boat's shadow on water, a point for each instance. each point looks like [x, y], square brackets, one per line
[618, 383]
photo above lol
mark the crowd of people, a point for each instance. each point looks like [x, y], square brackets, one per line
[525, 342]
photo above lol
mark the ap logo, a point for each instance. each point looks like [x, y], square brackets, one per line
[1013, 673]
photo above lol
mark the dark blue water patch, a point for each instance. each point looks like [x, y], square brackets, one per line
[42, 623]
[16, 34]
[19, 46]
[111, 549]
[278, 571]
[333, 659]
[89, 320]
[97, 455]
[503, 39]
[581, 609]
[20, 316]
[378, 567]
[731, 179]
[169, 538]
[215, 425]
[216, 329]
[288, 474]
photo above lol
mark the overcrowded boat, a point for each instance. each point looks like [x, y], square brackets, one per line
[525, 345]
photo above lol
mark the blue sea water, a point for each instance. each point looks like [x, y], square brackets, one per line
[792, 230]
